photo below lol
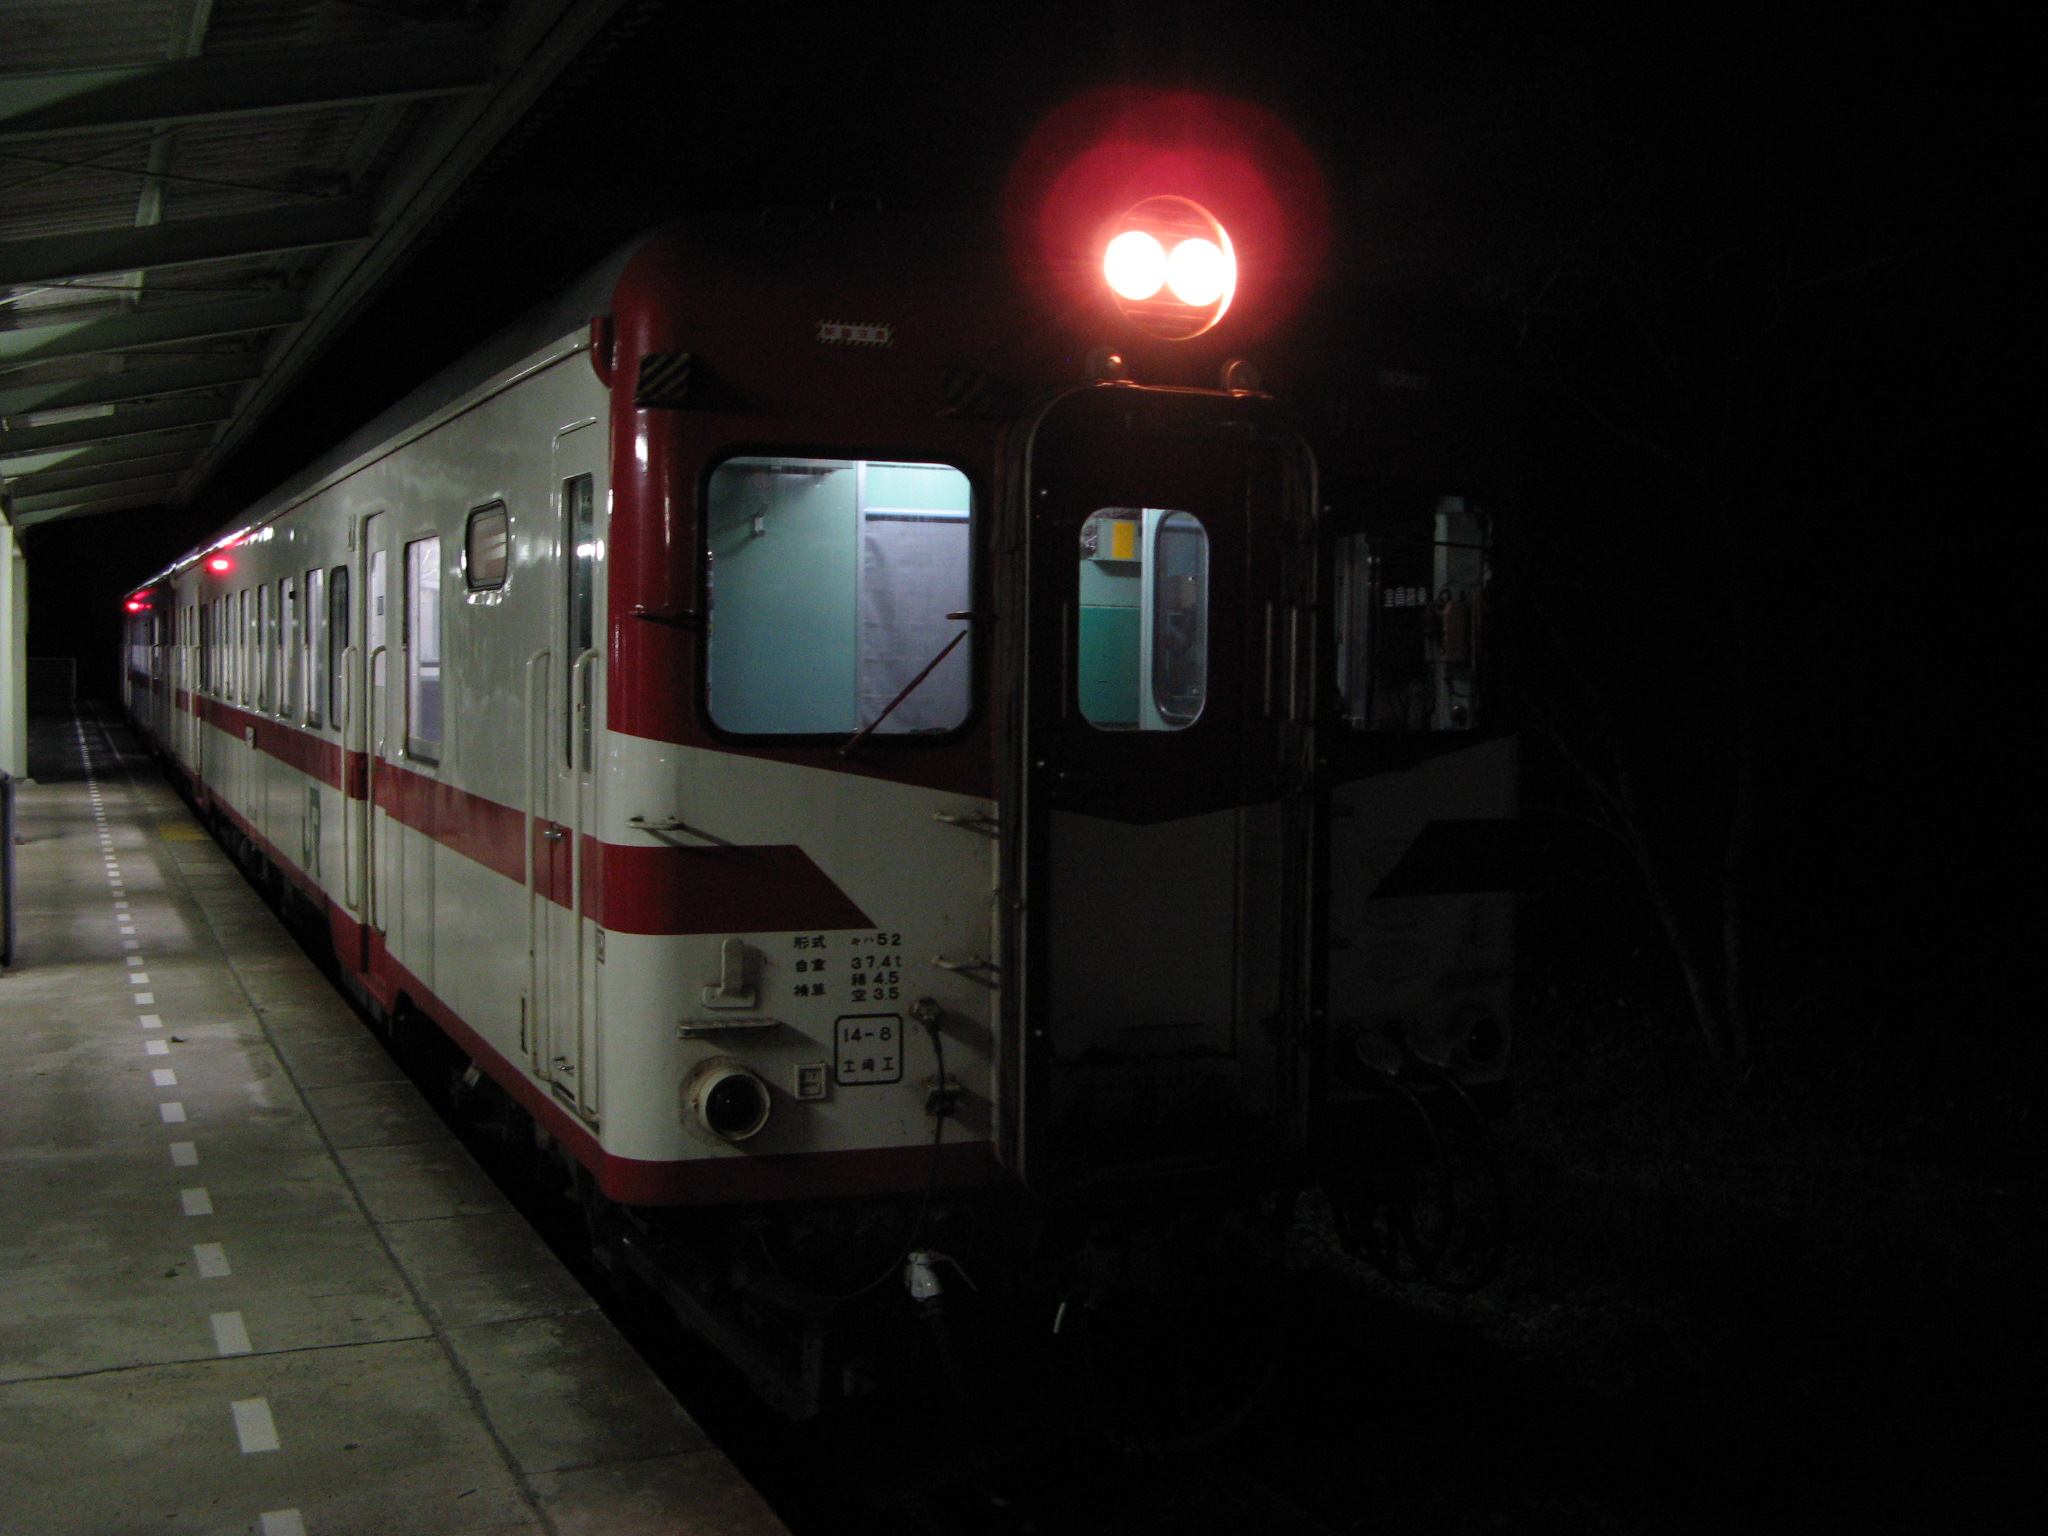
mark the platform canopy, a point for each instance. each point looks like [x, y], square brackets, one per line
[195, 195]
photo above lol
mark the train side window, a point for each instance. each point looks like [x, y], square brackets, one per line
[486, 548]
[259, 653]
[1141, 655]
[288, 648]
[837, 594]
[245, 651]
[206, 647]
[1410, 605]
[338, 616]
[1355, 573]
[423, 649]
[312, 654]
[579, 541]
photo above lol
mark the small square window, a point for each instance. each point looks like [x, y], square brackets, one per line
[487, 548]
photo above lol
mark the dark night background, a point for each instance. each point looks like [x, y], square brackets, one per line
[1751, 281]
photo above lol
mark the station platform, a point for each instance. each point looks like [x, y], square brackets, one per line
[248, 1281]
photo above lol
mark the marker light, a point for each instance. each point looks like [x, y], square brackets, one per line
[1135, 264]
[136, 605]
[220, 563]
[1171, 267]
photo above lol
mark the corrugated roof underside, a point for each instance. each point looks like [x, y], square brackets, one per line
[260, 214]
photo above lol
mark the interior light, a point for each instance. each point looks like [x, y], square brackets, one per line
[1198, 271]
[1136, 264]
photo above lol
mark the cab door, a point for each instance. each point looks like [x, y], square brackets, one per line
[564, 713]
[1164, 827]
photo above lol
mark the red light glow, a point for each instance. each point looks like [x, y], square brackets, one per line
[136, 605]
[220, 563]
[1094, 163]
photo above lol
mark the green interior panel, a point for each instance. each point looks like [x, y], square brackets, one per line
[916, 488]
[783, 654]
[1108, 665]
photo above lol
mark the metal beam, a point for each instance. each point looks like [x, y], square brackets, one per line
[537, 40]
[91, 455]
[55, 258]
[138, 384]
[237, 85]
[88, 509]
[71, 479]
[151, 327]
[138, 485]
[150, 418]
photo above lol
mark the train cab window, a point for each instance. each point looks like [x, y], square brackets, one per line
[838, 589]
[1142, 651]
[337, 644]
[423, 649]
[486, 548]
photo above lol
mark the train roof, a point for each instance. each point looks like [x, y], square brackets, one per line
[576, 306]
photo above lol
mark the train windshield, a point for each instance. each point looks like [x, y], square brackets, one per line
[835, 586]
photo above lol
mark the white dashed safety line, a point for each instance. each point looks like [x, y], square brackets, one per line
[231, 1334]
[254, 1427]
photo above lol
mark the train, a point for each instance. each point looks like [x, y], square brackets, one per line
[851, 741]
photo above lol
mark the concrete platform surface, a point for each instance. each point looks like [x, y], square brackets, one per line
[248, 1281]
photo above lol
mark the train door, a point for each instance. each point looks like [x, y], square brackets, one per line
[564, 733]
[378, 835]
[1164, 831]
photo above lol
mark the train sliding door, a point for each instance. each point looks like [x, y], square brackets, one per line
[1164, 832]
[374, 831]
[564, 731]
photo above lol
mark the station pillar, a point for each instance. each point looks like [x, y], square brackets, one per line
[13, 653]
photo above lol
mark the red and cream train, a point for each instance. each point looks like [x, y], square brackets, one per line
[801, 651]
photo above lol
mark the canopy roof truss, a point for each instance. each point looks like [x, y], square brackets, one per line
[196, 194]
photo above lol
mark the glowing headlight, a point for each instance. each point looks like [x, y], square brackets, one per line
[1135, 264]
[1171, 267]
[1198, 272]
